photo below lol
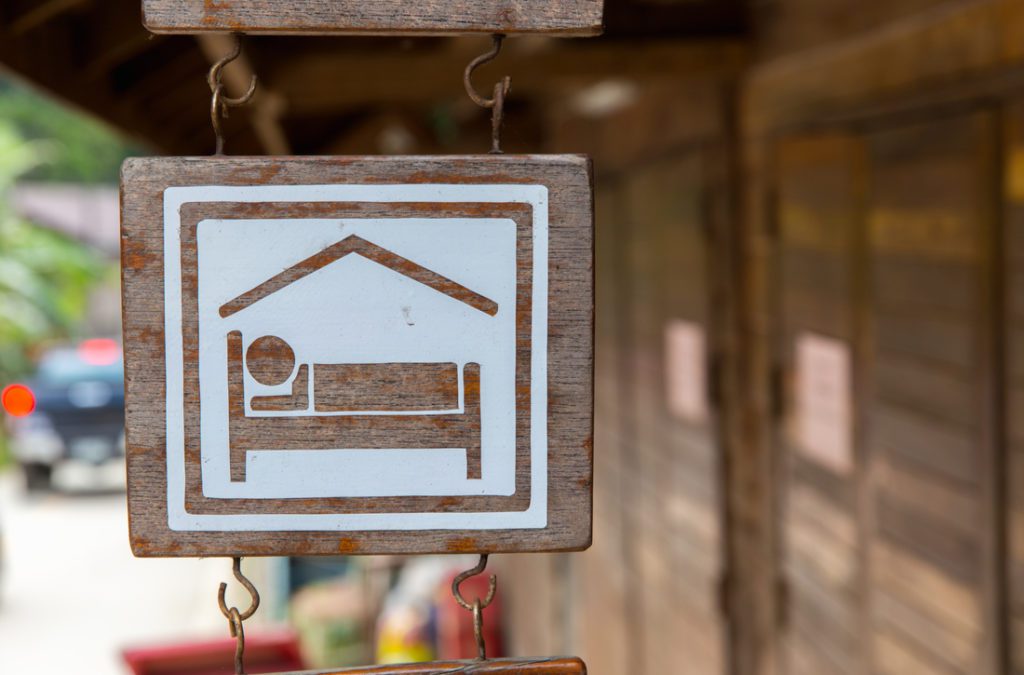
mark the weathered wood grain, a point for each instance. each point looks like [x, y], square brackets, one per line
[570, 359]
[434, 386]
[391, 17]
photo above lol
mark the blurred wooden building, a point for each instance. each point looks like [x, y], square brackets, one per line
[810, 423]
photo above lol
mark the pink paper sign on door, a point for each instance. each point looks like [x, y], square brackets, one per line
[823, 413]
[686, 371]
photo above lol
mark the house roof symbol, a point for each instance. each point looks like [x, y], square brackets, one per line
[370, 251]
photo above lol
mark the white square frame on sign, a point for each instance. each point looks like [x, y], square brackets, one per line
[535, 516]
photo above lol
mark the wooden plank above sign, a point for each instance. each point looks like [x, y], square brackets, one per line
[391, 17]
[358, 355]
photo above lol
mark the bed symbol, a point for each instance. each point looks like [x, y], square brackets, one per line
[335, 403]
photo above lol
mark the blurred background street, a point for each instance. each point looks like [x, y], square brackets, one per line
[809, 326]
[72, 594]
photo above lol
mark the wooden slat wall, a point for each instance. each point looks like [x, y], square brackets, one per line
[943, 570]
[820, 194]
[644, 599]
[580, 603]
[644, 594]
[933, 575]
[793, 25]
[672, 494]
[603, 608]
[1013, 374]
[886, 241]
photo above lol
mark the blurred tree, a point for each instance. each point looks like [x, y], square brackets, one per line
[79, 148]
[45, 278]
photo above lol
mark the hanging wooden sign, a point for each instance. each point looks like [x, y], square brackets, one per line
[358, 355]
[394, 17]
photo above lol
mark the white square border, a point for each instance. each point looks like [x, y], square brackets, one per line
[534, 517]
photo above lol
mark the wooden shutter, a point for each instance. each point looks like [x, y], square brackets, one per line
[930, 410]
[818, 216]
[1013, 258]
[602, 615]
[671, 487]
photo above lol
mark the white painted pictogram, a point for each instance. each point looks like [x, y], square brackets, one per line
[357, 357]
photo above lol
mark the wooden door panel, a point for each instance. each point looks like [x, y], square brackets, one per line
[921, 386]
[820, 186]
[677, 516]
[929, 443]
[938, 340]
[1013, 261]
[929, 412]
[886, 243]
[602, 619]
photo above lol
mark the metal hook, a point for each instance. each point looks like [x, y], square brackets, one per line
[478, 569]
[467, 78]
[236, 569]
[220, 103]
[478, 605]
[238, 632]
[236, 617]
[497, 102]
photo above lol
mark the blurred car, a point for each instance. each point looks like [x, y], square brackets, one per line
[71, 410]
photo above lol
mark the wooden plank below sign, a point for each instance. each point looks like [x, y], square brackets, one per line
[531, 666]
[358, 355]
[392, 17]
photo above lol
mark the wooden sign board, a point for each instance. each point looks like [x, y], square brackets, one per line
[358, 355]
[532, 666]
[392, 17]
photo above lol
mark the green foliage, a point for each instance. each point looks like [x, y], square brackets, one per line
[45, 278]
[76, 148]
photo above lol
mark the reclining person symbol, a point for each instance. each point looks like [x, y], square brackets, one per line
[339, 405]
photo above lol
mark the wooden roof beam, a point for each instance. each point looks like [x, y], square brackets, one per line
[41, 12]
[395, 78]
[114, 37]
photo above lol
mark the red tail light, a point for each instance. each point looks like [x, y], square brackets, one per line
[99, 352]
[18, 400]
